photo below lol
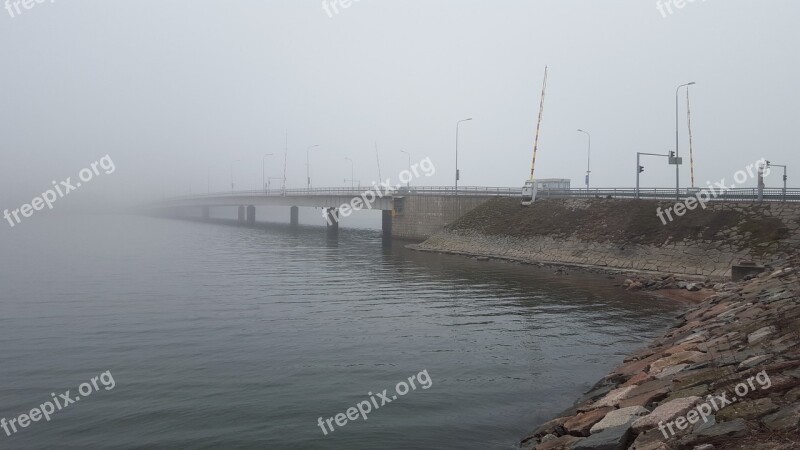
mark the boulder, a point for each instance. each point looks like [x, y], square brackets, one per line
[619, 418]
[734, 428]
[760, 335]
[613, 398]
[748, 409]
[786, 419]
[581, 424]
[562, 443]
[665, 413]
[614, 438]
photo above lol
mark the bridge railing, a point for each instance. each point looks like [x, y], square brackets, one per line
[732, 195]
[737, 194]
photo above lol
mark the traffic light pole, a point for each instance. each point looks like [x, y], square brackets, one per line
[769, 164]
[640, 168]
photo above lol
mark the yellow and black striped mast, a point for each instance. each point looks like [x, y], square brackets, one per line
[539, 124]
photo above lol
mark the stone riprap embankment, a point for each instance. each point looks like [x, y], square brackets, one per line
[625, 234]
[726, 376]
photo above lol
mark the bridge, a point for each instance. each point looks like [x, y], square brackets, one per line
[417, 212]
[407, 212]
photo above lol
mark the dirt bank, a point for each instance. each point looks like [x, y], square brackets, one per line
[625, 235]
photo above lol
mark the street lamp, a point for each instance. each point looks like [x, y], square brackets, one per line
[352, 172]
[264, 171]
[308, 168]
[457, 124]
[232, 162]
[677, 142]
[588, 158]
[408, 184]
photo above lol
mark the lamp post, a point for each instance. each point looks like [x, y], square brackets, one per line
[677, 143]
[308, 167]
[264, 171]
[588, 158]
[408, 184]
[352, 172]
[232, 163]
[457, 124]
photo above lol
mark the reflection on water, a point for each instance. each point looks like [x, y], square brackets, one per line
[229, 337]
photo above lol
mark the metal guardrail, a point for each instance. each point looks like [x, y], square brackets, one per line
[346, 192]
[731, 195]
[737, 194]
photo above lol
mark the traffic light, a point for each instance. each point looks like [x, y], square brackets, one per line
[641, 169]
[672, 155]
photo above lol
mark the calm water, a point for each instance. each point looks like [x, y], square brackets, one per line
[227, 337]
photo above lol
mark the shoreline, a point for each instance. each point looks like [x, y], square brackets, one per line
[725, 334]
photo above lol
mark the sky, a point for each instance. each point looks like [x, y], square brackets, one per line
[185, 95]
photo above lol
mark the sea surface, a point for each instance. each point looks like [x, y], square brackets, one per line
[227, 337]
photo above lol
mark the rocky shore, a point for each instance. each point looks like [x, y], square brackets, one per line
[725, 376]
[727, 373]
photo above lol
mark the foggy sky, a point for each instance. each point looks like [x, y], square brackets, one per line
[175, 90]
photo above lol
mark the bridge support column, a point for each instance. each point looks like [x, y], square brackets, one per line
[332, 218]
[386, 224]
[206, 212]
[251, 215]
[294, 216]
[241, 214]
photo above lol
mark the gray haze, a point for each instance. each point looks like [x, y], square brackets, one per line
[175, 90]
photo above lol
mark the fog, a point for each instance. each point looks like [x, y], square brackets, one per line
[183, 96]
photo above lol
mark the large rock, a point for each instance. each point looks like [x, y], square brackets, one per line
[671, 370]
[613, 398]
[562, 443]
[665, 413]
[734, 428]
[748, 409]
[614, 438]
[786, 419]
[581, 424]
[760, 335]
[650, 440]
[619, 418]
[677, 358]
[645, 399]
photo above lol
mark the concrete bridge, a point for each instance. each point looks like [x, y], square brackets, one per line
[407, 212]
[419, 212]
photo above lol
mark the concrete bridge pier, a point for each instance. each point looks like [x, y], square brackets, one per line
[251, 215]
[386, 224]
[206, 212]
[294, 216]
[241, 213]
[332, 219]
